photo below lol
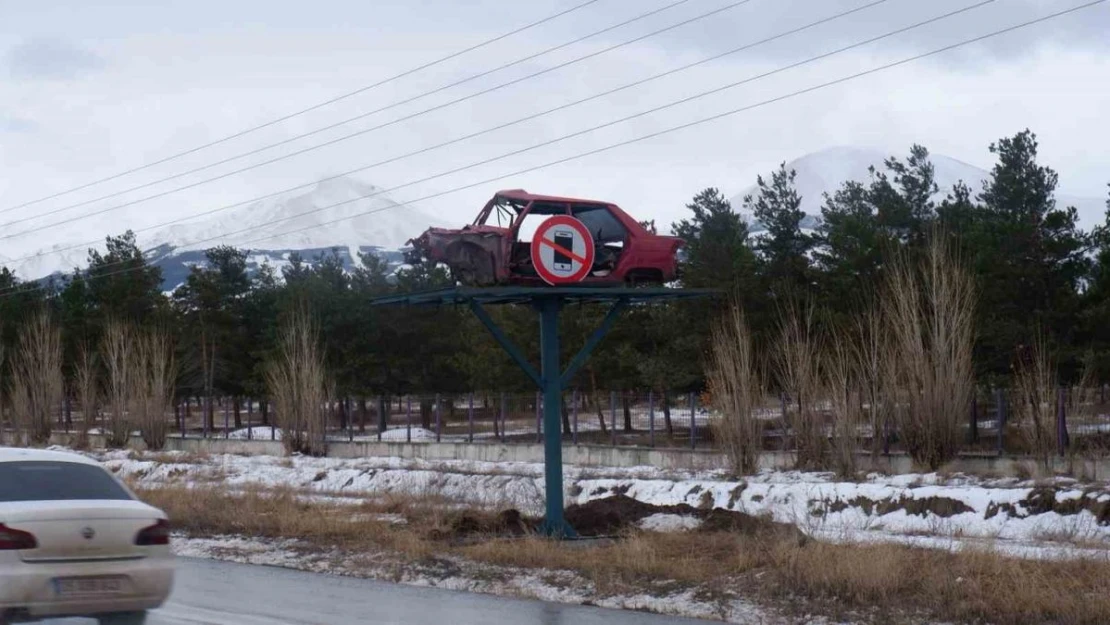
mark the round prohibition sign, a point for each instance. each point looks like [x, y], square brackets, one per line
[562, 250]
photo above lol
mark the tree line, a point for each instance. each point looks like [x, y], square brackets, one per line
[1037, 275]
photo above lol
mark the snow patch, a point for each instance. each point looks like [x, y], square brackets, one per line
[663, 522]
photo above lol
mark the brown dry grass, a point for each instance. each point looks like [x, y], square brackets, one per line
[880, 583]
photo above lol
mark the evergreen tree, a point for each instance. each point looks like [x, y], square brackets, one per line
[1032, 258]
[784, 249]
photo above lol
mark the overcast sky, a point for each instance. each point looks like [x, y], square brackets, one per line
[90, 89]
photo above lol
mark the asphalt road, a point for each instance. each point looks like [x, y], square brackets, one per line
[219, 593]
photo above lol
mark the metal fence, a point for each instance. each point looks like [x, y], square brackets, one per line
[626, 418]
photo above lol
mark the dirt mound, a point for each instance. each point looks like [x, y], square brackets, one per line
[608, 516]
[505, 523]
[1042, 500]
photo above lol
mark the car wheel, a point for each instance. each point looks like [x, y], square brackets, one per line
[122, 618]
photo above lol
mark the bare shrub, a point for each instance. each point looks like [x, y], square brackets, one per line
[736, 387]
[3, 385]
[841, 375]
[875, 377]
[297, 382]
[88, 391]
[37, 379]
[153, 377]
[1034, 408]
[120, 352]
[796, 356]
[930, 306]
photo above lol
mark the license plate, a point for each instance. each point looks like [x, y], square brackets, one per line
[85, 586]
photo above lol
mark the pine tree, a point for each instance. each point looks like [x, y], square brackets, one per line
[1031, 261]
[784, 249]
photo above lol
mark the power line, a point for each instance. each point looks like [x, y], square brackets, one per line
[711, 118]
[314, 107]
[669, 130]
[349, 120]
[345, 137]
[507, 124]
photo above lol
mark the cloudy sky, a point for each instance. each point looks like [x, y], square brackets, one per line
[91, 89]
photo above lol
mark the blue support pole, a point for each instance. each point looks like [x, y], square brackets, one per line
[470, 418]
[408, 419]
[551, 374]
[613, 417]
[651, 418]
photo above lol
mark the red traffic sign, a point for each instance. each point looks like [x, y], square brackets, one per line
[562, 250]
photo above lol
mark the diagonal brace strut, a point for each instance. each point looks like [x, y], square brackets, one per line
[584, 354]
[510, 347]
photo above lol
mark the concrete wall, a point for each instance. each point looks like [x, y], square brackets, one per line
[607, 456]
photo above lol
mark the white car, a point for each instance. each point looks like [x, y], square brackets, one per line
[75, 541]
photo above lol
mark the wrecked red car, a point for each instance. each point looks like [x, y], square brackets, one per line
[496, 248]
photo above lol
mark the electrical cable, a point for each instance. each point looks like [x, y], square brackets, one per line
[314, 107]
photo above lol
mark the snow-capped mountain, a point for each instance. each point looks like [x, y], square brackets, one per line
[826, 170]
[343, 213]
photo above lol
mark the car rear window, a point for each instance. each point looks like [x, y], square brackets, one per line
[56, 481]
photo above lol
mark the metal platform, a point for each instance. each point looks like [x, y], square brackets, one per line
[527, 295]
[550, 378]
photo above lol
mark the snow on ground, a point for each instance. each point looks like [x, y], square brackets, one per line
[1057, 518]
[258, 433]
[404, 434]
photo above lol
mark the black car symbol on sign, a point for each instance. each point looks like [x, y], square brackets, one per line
[88, 533]
[563, 239]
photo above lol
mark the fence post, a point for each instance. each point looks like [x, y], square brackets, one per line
[1061, 421]
[1000, 419]
[227, 426]
[470, 418]
[439, 422]
[574, 416]
[613, 416]
[539, 419]
[250, 419]
[502, 410]
[782, 423]
[651, 418]
[693, 420]
[408, 418]
[973, 426]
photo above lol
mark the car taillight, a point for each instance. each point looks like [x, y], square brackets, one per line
[11, 539]
[157, 534]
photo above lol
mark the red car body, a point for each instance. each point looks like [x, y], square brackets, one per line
[482, 254]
